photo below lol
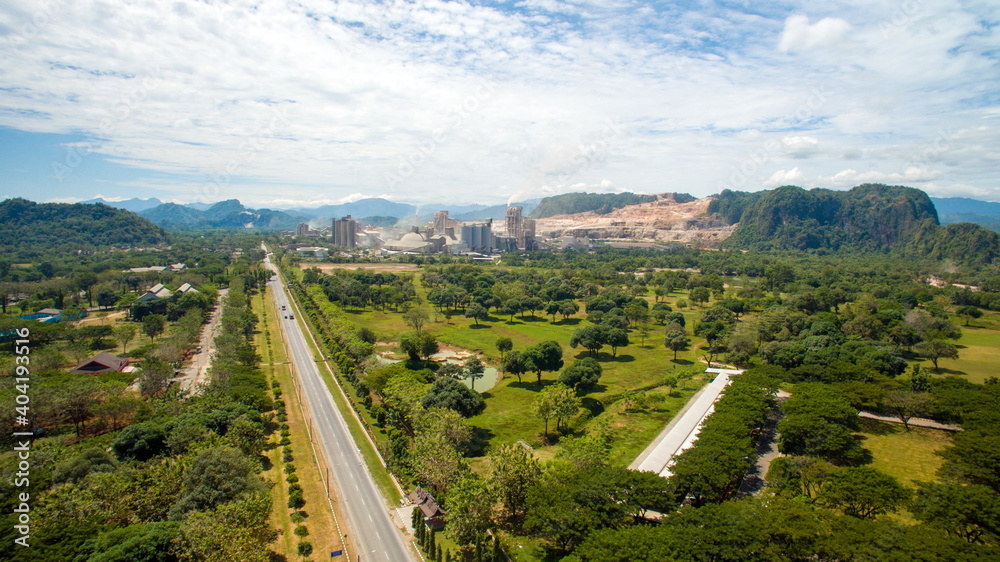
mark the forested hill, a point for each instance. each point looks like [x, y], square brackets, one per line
[601, 203]
[25, 223]
[869, 217]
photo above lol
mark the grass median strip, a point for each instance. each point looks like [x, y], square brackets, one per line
[319, 520]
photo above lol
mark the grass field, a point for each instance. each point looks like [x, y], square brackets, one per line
[978, 350]
[909, 456]
[508, 417]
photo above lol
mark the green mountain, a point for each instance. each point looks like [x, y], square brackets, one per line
[868, 218]
[229, 214]
[172, 216]
[25, 223]
[601, 203]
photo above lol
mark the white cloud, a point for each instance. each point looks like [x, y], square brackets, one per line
[317, 101]
[800, 35]
[785, 177]
[911, 175]
[800, 146]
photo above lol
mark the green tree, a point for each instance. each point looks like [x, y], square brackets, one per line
[676, 340]
[155, 377]
[905, 404]
[616, 337]
[247, 436]
[969, 512]
[216, 476]
[504, 345]
[864, 492]
[236, 530]
[700, 295]
[416, 318]
[436, 464]
[974, 456]
[476, 311]
[473, 370]
[582, 375]
[969, 312]
[125, 333]
[449, 393]
[546, 356]
[470, 507]
[544, 409]
[936, 349]
[565, 404]
[591, 338]
[514, 364]
[513, 471]
[153, 325]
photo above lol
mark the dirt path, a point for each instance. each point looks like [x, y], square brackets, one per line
[195, 375]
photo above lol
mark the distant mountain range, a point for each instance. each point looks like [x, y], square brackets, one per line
[962, 209]
[135, 204]
[230, 214]
[384, 208]
[233, 214]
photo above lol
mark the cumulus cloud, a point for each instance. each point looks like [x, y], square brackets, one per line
[800, 146]
[785, 177]
[800, 35]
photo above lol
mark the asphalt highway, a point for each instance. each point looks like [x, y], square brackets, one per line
[375, 535]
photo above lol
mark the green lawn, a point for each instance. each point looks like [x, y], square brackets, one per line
[909, 456]
[978, 350]
[508, 416]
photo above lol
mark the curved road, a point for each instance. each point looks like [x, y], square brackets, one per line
[376, 537]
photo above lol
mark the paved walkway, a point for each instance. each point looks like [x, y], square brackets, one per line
[915, 422]
[682, 431]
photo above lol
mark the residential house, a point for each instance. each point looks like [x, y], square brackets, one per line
[425, 502]
[103, 362]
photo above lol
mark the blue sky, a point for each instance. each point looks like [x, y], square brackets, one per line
[286, 104]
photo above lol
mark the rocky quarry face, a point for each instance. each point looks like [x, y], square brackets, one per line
[664, 220]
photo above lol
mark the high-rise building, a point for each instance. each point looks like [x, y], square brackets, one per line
[514, 226]
[345, 232]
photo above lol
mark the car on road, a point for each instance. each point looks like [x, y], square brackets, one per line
[291, 317]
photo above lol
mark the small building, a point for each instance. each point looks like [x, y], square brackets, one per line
[317, 251]
[101, 363]
[186, 288]
[156, 292]
[425, 502]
